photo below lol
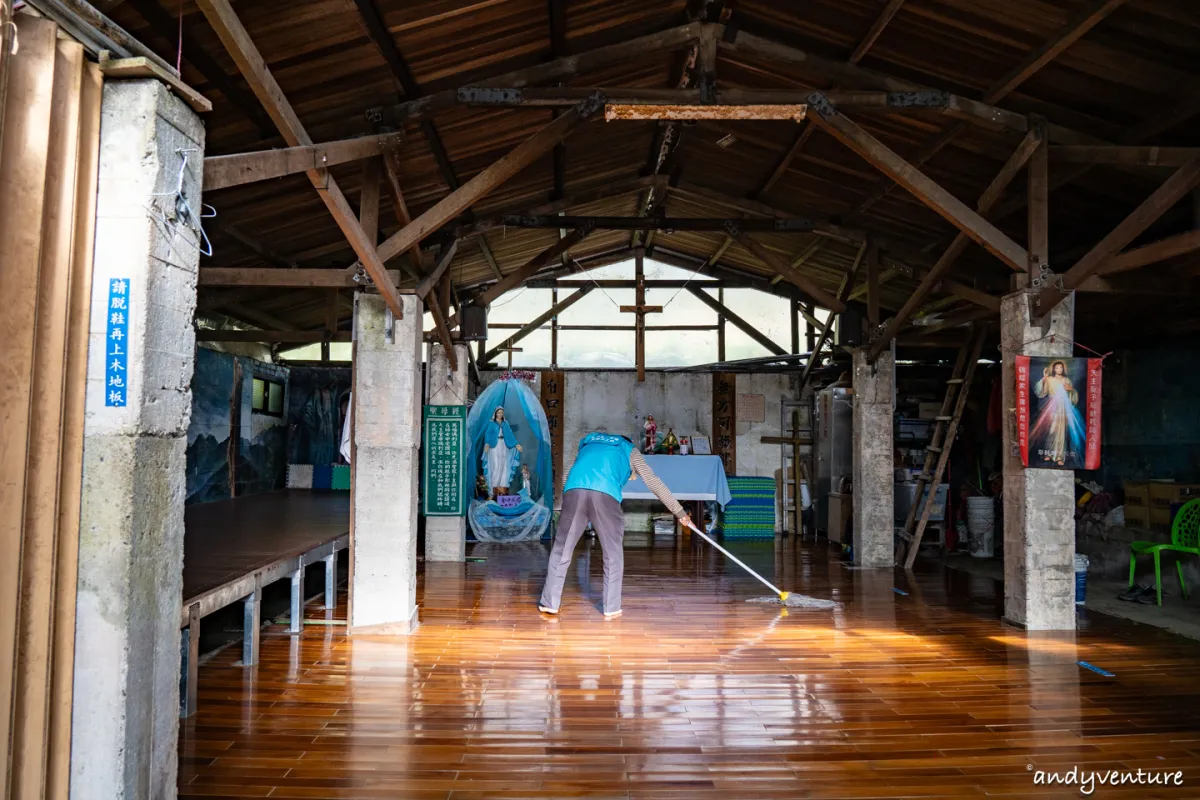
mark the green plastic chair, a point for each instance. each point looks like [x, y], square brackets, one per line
[1185, 538]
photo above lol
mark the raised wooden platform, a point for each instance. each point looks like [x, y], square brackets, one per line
[694, 694]
[233, 548]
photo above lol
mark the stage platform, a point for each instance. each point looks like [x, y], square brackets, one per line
[233, 548]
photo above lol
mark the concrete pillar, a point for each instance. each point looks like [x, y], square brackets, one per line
[873, 460]
[125, 718]
[384, 463]
[446, 537]
[1039, 504]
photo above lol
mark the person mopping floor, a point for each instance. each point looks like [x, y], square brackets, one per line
[592, 492]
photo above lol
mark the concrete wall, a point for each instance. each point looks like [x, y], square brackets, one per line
[615, 401]
[1151, 419]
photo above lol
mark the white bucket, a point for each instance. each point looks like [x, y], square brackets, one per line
[805, 497]
[981, 525]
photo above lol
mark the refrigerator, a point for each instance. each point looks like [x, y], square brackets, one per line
[834, 429]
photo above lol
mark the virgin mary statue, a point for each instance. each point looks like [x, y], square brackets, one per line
[509, 440]
[1059, 430]
[501, 454]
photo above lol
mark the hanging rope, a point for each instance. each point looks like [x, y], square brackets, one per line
[1052, 337]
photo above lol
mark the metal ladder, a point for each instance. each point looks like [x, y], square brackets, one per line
[944, 430]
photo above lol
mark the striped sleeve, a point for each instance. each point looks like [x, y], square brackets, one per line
[654, 483]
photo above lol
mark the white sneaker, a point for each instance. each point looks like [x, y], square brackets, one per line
[545, 610]
[612, 614]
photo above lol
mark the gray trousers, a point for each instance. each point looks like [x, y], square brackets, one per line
[579, 506]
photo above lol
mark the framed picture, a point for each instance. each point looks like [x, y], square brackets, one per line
[700, 446]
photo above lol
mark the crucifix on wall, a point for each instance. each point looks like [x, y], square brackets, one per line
[640, 310]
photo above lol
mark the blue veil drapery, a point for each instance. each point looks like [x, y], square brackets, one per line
[523, 411]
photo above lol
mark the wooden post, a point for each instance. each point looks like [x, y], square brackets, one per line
[510, 351]
[640, 310]
[872, 284]
[797, 471]
[331, 321]
[810, 332]
[554, 330]
[795, 315]
[721, 326]
[1039, 206]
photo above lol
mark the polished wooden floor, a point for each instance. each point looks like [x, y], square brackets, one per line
[694, 693]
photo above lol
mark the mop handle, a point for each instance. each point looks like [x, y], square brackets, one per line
[736, 560]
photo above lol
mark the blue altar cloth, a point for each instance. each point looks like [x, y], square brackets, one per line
[688, 478]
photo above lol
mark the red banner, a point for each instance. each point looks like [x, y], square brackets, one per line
[1058, 411]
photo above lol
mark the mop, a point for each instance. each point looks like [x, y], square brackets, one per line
[784, 598]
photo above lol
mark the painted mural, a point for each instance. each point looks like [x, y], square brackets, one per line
[318, 399]
[220, 466]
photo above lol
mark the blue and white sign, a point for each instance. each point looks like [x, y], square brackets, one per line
[116, 363]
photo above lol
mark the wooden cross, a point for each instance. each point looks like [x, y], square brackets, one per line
[796, 442]
[510, 351]
[641, 310]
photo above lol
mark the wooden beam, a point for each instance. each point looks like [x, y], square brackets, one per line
[1039, 209]
[782, 167]
[530, 327]
[254, 69]
[368, 199]
[881, 22]
[1122, 155]
[512, 163]
[558, 69]
[843, 293]
[947, 205]
[873, 285]
[391, 172]
[285, 278]
[1181, 182]
[434, 277]
[257, 317]
[741, 324]
[531, 268]
[653, 222]
[1170, 247]
[805, 283]
[991, 195]
[221, 172]
[273, 337]
[1087, 18]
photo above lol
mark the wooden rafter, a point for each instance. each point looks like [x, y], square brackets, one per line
[724, 312]
[391, 171]
[873, 33]
[805, 283]
[1181, 182]
[843, 293]
[221, 172]
[487, 180]
[991, 195]
[254, 69]
[528, 328]
[1076, 28]
[924, 189]
[1170, 247]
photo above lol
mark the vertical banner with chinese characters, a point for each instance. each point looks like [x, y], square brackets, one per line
[554, 393]
[1058, 411]
[116, 361]
[724, 417]
[444, 461]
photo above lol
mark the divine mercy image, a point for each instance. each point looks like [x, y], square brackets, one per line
[1056, 395]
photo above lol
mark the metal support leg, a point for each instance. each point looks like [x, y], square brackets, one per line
[189, 672]
[331, 580]
[251, 626]
[297, 624]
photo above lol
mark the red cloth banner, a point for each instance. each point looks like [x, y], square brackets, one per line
[1058, 411]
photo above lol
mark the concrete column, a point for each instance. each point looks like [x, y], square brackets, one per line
[125, 718]
[1039, 504]
[446, 537]
[873, 460]
[384, 463]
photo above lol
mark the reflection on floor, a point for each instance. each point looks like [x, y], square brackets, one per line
[694, 693]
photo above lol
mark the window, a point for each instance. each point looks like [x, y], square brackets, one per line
[266, 397]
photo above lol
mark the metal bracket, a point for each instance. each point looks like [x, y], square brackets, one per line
[593, 105]
[926, 98]
[817, 102]
[484, 96]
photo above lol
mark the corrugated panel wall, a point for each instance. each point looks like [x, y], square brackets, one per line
[48, 162]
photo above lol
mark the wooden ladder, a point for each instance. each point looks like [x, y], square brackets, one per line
[944, 430]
